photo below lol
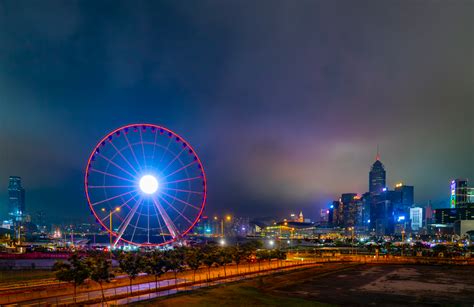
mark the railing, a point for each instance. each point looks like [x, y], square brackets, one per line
[409, 259]
[35, 255]
[63, 295]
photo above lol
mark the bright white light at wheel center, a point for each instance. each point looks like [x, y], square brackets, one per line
[148, 184]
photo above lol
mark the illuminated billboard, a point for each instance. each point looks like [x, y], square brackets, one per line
[453, 194]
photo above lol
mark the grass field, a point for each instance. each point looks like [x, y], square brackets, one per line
[255, 292]
[242, 294]
[24, 275]
[342, 285]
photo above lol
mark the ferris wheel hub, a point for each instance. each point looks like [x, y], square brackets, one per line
[149, 184]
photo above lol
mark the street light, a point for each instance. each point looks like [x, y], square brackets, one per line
[117, 209]
[228, 218]
[352, 239]
[403, 241]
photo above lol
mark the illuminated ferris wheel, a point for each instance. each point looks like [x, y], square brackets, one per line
[145, 185]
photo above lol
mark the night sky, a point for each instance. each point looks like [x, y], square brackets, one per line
[284, 101]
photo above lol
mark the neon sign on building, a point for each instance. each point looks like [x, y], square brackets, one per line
[453, 194]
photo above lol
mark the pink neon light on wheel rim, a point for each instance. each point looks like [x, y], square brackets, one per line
[149, 180]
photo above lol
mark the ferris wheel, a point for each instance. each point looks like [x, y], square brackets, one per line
[145, 185]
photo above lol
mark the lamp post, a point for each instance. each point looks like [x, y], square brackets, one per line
[352, 239]
[117, 209]
[227, 218]
[403, 241]
[222, 227]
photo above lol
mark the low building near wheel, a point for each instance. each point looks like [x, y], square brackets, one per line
[464, 227]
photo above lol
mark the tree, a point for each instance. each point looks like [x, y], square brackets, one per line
[418, 248]
[280, 255]
[261, 255]
[388, 247]
[224, 257]
[174, 259]
[75, 271]
[155, 264]
[100, 270]
[250, 248]
[132, 265]
[238, 254]
[440, 250]
[193, 258]
[209, 257]
[271, 254]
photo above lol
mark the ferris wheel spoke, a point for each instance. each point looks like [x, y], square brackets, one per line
[148, 226]
[120, 208]
[177, 211]
[125, 224]
[159, 223]
[154, 146]
[133, 152]
[111, 198]
[174, 159]
[180, 190]
[168, 222]
[143, 147]
[181, 201]
[129, 213]
[136, 223]
[183, 180]
[110, 186]
[117, 166]
[166, 149]
[179, 169]
[110, 175]
[123, 157]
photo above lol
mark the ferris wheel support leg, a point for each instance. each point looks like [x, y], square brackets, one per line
[127, 221]
[168, 222]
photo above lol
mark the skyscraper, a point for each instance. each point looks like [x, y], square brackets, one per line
[379, 207]
[377, 177]
[406, 194]
[404, 199]
[353, 209]
[16, 197]
[301, 217]
[416, 218]
[459, 193]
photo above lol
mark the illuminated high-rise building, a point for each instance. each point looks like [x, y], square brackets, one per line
[407, 197]
[354, 210]
[416, 218]
[460, 197]
[16, 197]
[377, 177]
[324, 215]
[379, 207]
[301, 217]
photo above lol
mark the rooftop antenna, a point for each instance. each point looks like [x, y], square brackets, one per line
[378, 154]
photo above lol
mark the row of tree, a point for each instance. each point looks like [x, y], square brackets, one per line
[97, 266]
[78, 269]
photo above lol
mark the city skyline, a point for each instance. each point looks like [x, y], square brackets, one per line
[272, 136]
[374, 186]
